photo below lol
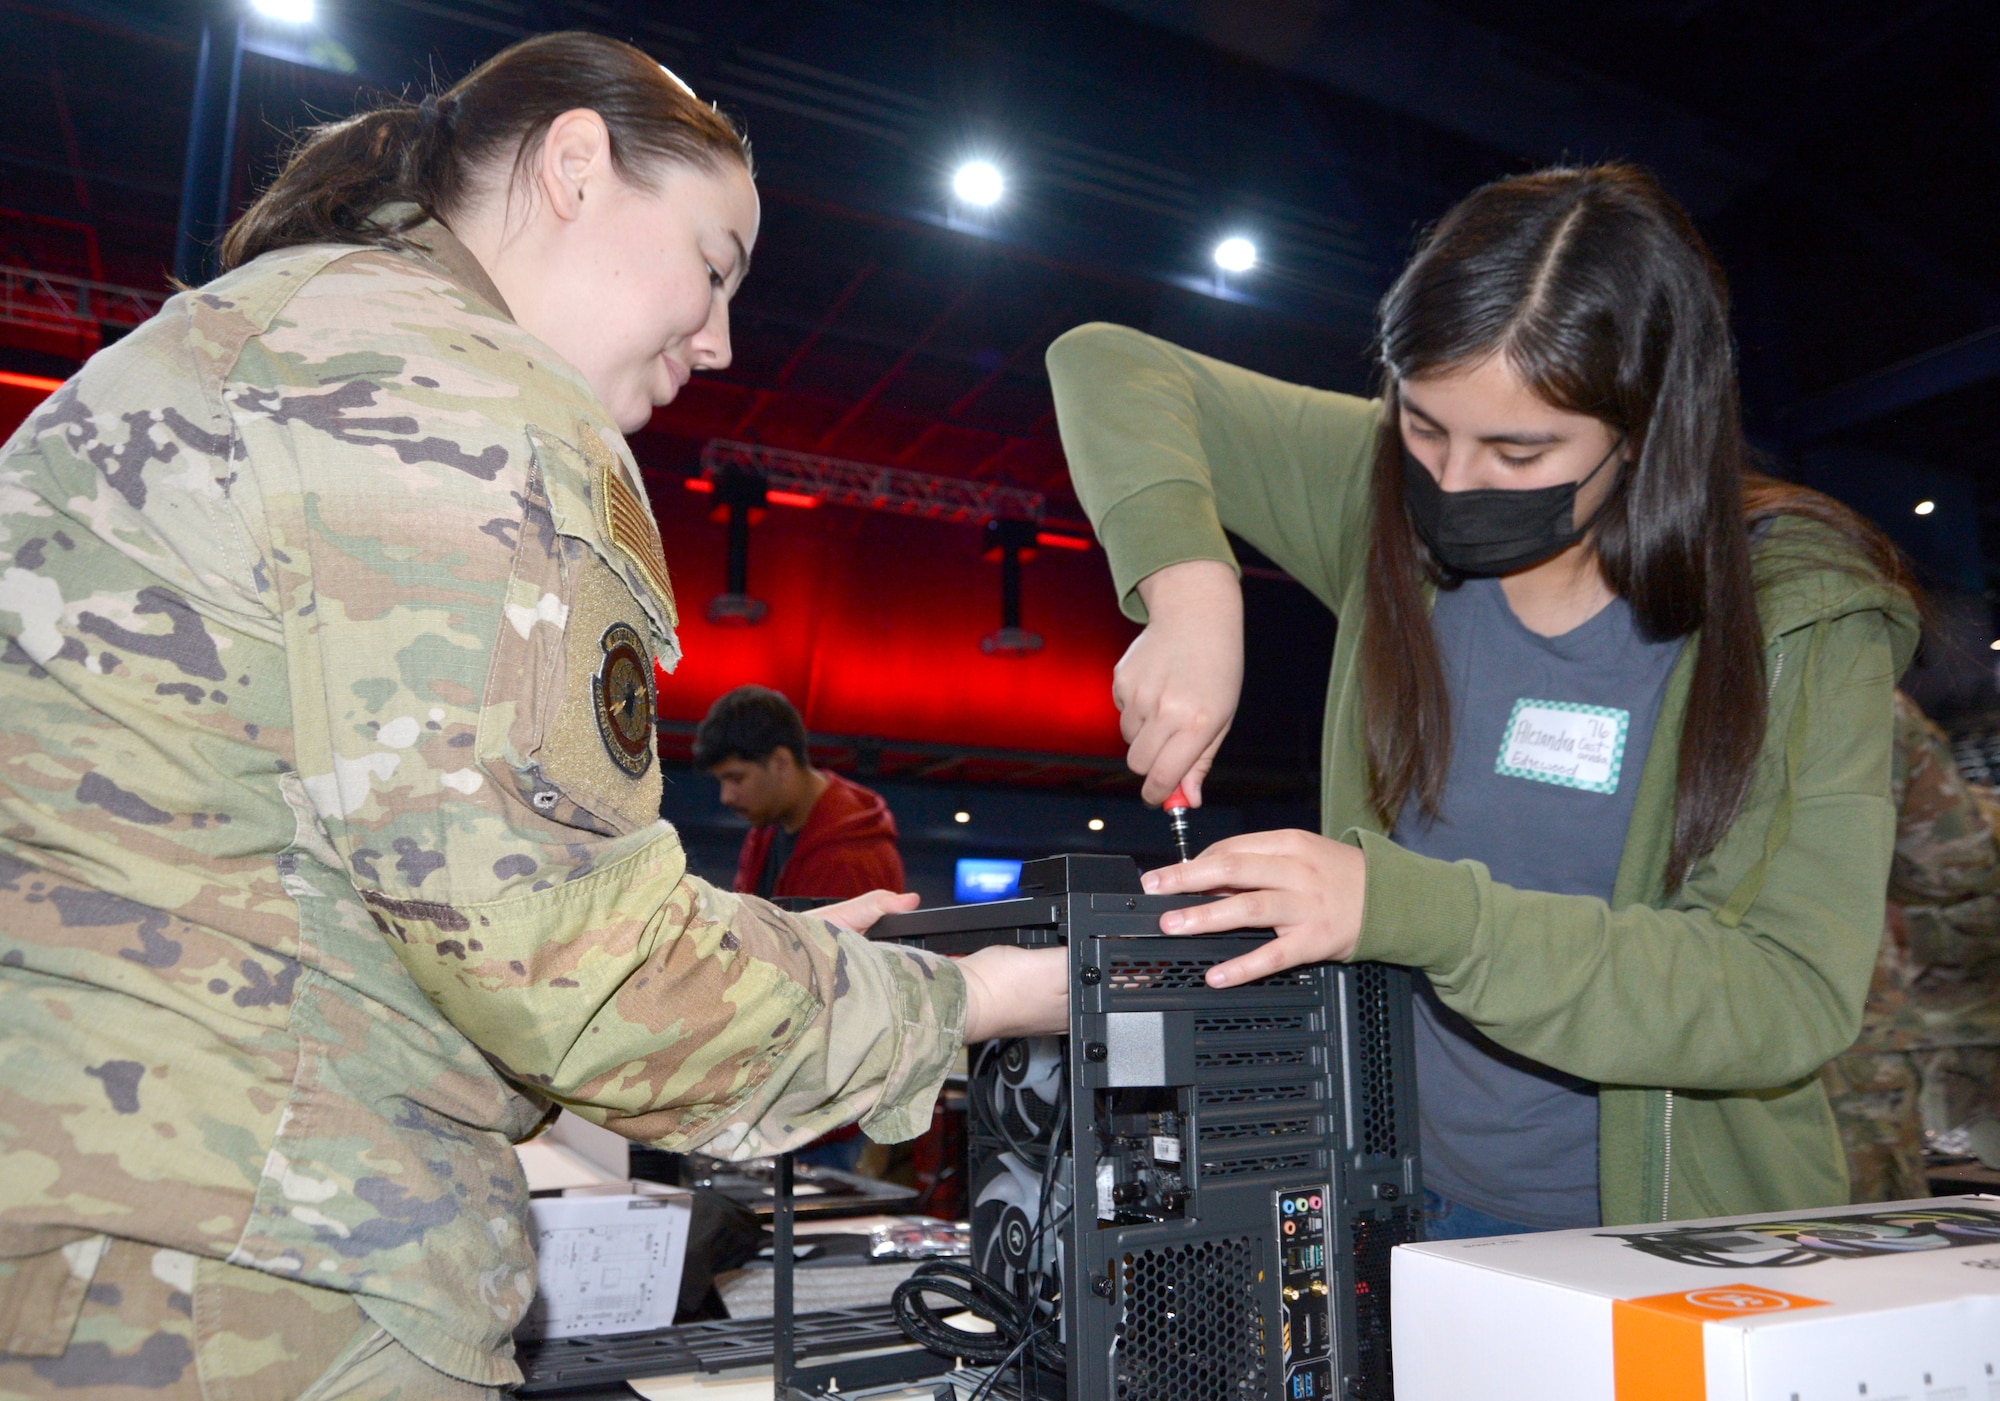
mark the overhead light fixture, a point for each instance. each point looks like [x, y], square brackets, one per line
[741, 497]
[1996, 645]
[1236, 254]
[961, 817]
[1924, 508]
[979, 183]
[1097, 824]
[1009, 542]
[285, 11]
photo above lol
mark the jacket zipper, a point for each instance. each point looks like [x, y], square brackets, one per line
[1667, 1113]
[1667, 1174]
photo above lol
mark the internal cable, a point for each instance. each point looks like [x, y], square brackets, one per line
[1039, 1252]
[1023, 1318]
[995, 1120]
[985, 1388]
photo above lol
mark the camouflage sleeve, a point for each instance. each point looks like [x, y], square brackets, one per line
[1945, 844]
[470, 613]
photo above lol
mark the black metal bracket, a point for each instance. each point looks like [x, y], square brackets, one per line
[783, 1363]
[791, 1382]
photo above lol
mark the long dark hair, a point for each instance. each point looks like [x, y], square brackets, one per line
[1596, 287]
[433, 153]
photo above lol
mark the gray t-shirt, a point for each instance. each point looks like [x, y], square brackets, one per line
[1549, 735]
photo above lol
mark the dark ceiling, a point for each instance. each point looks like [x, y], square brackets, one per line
[1841, 156]
[1839, 153]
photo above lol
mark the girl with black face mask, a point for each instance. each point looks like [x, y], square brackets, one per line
[1608, 728]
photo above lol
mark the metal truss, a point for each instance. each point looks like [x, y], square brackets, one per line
[842, 483]
[872, 758]
[51, 301]
[910, 761]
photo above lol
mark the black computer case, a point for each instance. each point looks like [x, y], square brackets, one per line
[1230, 1167]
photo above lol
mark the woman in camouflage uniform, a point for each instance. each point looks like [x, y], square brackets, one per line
[329, 856]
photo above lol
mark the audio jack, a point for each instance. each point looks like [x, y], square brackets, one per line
[1177, 821]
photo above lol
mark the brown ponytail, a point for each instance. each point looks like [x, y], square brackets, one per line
[429, 154]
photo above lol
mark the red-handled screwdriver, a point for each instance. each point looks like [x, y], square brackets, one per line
[1177, 811]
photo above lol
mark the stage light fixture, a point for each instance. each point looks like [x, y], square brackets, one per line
[285, 11]
[1236, 254]
[1010, 543]
[741, 500]
[1097, 824]
[1924, 508]
[961, 817]
[979, 183]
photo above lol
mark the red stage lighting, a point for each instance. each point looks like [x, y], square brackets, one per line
[875, 628]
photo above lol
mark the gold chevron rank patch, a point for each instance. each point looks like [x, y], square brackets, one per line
[626, 521]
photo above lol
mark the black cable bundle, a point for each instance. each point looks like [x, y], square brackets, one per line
[1018, 1328]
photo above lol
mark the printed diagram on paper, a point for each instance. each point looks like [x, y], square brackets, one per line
[606, 1266]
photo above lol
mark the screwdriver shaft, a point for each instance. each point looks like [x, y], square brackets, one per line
[1177, 823]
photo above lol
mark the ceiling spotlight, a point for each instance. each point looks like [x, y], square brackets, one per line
[1996, 646]
[979, 183]
[285, 11]
[1236, 254]
[1924, 508]
[1097, 824]
[961, 817]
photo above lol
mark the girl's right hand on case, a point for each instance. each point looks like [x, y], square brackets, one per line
[1177, 685]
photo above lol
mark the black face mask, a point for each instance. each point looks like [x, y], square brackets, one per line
[1493, 530]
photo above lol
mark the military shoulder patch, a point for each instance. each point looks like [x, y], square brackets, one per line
[626, 522]
[623, 695]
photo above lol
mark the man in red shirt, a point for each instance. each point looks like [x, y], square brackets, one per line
[812, 834]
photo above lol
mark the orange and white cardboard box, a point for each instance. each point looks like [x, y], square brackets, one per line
[1891, 1302]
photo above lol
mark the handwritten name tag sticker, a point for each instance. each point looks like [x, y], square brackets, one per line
[1575, 746]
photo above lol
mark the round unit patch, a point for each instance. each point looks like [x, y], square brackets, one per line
[625, 705]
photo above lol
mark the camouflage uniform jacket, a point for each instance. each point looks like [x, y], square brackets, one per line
[329, 847]
[1937, 982]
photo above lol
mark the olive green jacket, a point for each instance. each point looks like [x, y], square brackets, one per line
[1702, 1013]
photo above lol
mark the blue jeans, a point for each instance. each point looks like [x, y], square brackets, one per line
[1449, 1220]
